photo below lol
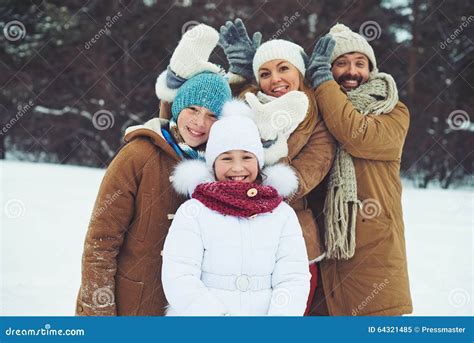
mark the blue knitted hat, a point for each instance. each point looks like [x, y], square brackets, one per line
[207, 90]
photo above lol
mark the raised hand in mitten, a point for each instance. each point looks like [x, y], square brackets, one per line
[238, 47]
[276, 120]
[282, 114]
[191, 56]
[319, 68]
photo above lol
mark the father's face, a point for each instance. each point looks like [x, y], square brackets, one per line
[351, 70]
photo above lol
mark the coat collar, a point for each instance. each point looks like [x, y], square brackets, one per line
[152, 130]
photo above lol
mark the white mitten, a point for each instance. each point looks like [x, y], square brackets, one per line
[191, 56]
[275, 149]
[281, 115]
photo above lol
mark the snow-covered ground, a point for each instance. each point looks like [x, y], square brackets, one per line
[46, 209]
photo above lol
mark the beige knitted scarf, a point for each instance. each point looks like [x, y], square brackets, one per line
[378, 95]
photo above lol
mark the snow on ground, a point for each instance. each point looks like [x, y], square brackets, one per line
[46, 210]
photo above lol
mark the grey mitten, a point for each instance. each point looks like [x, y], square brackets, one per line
[238, 47]
[319, 68]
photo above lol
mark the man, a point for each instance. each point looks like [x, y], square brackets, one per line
[365, 271]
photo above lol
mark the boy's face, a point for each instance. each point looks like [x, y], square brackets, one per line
[194, 124]
[351, 70]
[236, 165]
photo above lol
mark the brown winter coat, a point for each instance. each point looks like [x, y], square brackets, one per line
[310, 154]
[311, 157]
[121, 264]
[375, 281]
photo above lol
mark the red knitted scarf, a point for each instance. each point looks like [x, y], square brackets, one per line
[239, 199]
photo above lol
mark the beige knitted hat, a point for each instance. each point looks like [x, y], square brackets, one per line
[349, 41]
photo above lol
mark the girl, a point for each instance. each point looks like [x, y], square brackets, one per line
[235, 248]
[121, 264]
[278, 66]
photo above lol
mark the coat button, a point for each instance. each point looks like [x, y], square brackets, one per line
[170, 216]
[252, 192]
[242, 283]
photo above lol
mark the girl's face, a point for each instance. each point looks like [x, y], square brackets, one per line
[278, 77]
[194, 123]
[236, 165]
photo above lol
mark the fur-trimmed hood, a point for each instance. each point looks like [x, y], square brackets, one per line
[190, 173]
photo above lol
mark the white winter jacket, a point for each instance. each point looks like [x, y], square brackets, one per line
[216, 265]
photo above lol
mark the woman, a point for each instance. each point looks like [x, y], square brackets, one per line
[121, 264]
[278, 67]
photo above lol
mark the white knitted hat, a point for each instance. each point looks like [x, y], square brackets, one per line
[349, 41]
[234, 131]
[279, 49]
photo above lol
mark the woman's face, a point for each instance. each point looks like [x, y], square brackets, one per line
[236, 165]
[278, 77]
[194, 124]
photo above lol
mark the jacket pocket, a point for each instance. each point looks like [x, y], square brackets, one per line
[142, 221]
[371, 231]
[129, 296]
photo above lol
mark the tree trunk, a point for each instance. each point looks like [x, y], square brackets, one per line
[2, 147]
[412, 55]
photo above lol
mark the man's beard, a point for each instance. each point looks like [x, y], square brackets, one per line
[348, 77]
